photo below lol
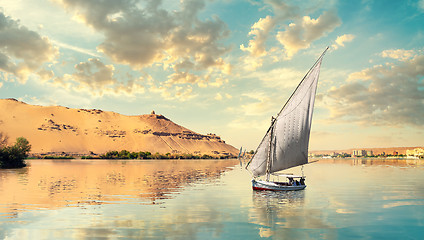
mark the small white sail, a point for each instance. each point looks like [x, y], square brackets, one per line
[290, 130]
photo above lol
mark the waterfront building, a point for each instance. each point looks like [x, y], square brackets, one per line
[417, 152]
[359, 153]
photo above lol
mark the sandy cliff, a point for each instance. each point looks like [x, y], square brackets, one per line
[81, 131]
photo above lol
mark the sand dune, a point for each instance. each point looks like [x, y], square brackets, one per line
[81, 131]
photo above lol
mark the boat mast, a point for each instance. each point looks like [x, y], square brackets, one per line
[268, 160]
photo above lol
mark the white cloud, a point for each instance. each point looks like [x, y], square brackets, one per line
[399, 54]
[180, 93]
[218, 97]
[22, 51]
[341, 40]
[98, 79]
[300, 31]
[260, 31]
[218, 82]
[300, 34]
[141, 35]
[391, 95]
[184, 94]
[249, 124]
[282, 78]
[262, 104]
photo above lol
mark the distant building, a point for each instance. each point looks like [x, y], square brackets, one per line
[395, 153]
[359, 153]
[417, 152]
[370, 153]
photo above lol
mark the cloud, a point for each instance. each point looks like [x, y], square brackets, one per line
[241, 122]
[179, 93]
[390, 95]
[145, 34]
[260, 31]
[22, 51]
[218, 82]
[97, 78]
[399, 54]
[280, 77]
[341, 40]
[300, 34]
[184, 93]
[262, 104]
[181, 78]
[220, 97]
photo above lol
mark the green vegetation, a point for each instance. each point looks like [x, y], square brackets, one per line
[13, 156]
[124, 154]
[55, 157]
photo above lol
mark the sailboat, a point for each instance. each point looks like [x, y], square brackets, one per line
[285, 144]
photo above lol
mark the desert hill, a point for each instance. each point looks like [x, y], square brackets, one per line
[57, 129]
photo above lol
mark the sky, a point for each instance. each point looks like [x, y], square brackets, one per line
[224, 66]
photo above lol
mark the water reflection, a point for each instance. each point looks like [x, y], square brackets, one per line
[374, 162]
[275, 208]
[52, 184]
[278, 213]
[345, 199]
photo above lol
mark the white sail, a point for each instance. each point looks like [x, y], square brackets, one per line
[290, 130]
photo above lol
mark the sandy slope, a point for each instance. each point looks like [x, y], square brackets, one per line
[81, 131]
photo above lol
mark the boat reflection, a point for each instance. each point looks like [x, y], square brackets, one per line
[278, 213]
[48, 184]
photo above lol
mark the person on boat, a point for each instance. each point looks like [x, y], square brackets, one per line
[302, 181]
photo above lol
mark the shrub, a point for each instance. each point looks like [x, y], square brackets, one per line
[14, 156]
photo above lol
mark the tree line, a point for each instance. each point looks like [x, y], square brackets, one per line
[124, 154]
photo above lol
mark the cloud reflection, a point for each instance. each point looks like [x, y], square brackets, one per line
[56, 184]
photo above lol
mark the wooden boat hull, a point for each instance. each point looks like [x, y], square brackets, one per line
[275, 186]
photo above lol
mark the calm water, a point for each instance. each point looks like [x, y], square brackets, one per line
[208, 199]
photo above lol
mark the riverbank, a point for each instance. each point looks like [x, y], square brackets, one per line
[124, 154]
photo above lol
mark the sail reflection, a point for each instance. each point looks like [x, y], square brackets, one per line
[48, 184]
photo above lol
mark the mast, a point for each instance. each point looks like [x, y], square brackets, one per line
[268, 160]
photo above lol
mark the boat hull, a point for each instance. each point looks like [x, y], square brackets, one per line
[275, 186]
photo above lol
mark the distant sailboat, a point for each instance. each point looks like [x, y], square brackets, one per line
[239, 156]
[285, 144]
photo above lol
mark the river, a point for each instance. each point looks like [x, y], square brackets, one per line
[210, 199]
